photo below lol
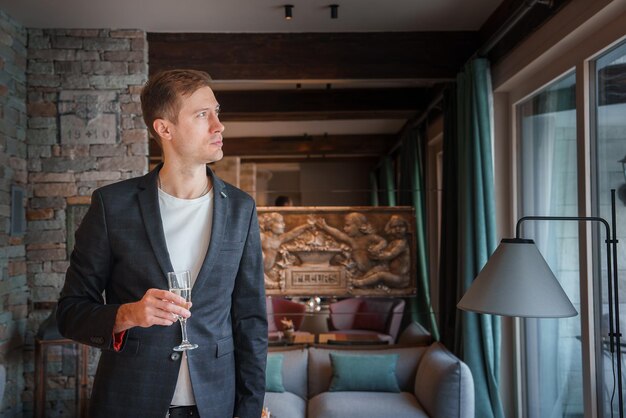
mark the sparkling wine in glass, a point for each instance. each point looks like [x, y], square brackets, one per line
[180, 284]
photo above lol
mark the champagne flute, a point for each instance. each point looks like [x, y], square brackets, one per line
[180, 284]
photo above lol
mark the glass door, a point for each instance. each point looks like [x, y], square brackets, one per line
[609, 118]
[551, 348]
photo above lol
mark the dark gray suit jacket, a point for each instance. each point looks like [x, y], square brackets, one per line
[120, 249]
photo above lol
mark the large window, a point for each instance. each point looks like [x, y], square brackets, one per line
[552, 355]
[610, 147]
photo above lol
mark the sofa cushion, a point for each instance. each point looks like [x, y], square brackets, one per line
[295, 361]
[373, 315]
[274, 373]
[448, 379]
[320, 370]
[285, 405]
[342, 314]
[364, 372]
[364, 404]
[415, 334]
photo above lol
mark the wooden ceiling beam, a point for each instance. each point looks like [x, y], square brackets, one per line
[319, 115]
[289, 105]
[314, 56]
[311, 159]
[303, 146]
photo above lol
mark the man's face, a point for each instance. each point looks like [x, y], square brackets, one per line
[197, 135]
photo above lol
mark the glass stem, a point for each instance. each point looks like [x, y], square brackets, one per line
[183, 327]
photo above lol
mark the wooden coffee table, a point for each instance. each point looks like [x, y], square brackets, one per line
[300, 338]
[360, 338]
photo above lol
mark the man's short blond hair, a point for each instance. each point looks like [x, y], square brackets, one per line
[161, 96]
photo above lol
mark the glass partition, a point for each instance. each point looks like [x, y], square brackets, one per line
[551, 349]
[609, 111]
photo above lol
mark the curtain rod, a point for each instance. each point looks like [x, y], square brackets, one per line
[522, 11]
[506, 27]
[413, 123]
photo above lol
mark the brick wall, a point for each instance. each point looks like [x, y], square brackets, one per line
[13, 289]
[84, 131]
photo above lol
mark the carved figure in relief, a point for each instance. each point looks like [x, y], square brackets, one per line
[359, 234]
[273, 235]
[394, 273]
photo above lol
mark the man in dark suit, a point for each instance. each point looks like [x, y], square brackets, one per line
[180, 216]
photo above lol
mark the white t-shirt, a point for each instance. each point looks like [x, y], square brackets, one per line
[187, 226]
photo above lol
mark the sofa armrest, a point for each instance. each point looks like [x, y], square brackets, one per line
[444, 385]
[415, 334]
[294, 371]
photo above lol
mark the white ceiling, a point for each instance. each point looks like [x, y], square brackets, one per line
[253, 15]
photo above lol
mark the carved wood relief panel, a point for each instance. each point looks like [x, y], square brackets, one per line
[338, 251]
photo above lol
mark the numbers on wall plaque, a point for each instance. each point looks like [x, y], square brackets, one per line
[88, 117]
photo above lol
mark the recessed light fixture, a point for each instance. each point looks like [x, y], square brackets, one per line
[334, 11]
[288, 11]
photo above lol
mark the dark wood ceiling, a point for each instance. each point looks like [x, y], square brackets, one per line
[328, 104]
[427, 60]
[314, 56]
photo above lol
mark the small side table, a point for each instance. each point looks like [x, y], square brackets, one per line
[47, 336]
[349, 338]
[82, 377]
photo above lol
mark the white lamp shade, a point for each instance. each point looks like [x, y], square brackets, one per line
[517, 281]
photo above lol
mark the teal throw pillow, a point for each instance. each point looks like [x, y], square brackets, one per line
[274, 373]
[364, 372]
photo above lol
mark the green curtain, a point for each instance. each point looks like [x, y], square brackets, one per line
[412, 193]
[386, 183]
[477, 229]
[449, 242]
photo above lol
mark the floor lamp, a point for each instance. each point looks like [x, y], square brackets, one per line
[517, 281]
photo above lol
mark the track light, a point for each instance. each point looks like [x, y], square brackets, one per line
[288, 11]
[334, 11]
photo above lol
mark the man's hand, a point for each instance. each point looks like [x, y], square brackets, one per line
[157, 307]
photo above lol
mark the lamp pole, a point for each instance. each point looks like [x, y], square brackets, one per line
[612, 287]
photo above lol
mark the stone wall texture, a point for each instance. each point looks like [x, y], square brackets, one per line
[70, 122]
[84, 130]
[14, 292]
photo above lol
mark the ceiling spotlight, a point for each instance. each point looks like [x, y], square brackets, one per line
[334, 11]
[288, 11]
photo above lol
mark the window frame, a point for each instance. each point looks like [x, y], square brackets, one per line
[572, 39]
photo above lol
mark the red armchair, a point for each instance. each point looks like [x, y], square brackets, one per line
[380, 316]
[278, 308]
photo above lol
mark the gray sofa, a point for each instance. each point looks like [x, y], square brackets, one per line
[433, 383]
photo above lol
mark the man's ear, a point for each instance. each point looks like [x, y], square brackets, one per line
[162, 128]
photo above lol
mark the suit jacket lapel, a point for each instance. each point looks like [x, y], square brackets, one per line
[220, 219]
[149, 204]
